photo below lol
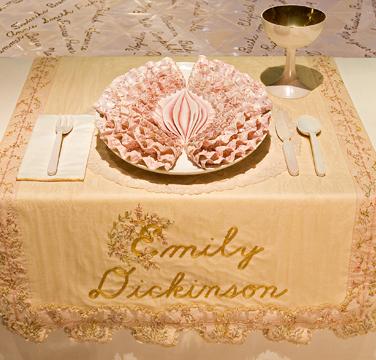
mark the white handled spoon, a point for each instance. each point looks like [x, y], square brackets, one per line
[310, 126]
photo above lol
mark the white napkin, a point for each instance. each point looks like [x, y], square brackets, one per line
[74, 150]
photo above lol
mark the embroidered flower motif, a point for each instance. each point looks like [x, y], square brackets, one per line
[134, 227]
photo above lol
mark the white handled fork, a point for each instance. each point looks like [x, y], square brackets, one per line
[63, 127]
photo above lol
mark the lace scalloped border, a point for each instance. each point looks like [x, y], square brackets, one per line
[355, 316]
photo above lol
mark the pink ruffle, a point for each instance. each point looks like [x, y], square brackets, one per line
[127, 125]
[149, 115]
[236, 141]
[242, 113]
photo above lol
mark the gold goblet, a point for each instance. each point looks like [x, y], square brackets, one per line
[292, 27]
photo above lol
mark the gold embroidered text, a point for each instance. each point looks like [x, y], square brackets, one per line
[179, 289]
[210, 250]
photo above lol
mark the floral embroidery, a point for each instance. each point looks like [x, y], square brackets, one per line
[23, 119]
[15, 306]
[361, 160]
[355, 316]
[136, 226]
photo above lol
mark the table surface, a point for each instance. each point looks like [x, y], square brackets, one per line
[358, 75]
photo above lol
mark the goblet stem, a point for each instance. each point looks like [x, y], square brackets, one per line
[289, 72]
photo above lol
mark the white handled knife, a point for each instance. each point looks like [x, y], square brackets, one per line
[285, 135]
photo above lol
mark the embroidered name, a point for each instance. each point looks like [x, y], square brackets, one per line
[138, 239]
[179, 289]
[210, 250]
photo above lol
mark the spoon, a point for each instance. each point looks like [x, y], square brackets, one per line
[310, 126]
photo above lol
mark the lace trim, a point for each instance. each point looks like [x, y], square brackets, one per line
[361, 159]
[22, 122]
[355, 316]
[14, 295]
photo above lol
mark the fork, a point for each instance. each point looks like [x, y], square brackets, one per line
[63, 127]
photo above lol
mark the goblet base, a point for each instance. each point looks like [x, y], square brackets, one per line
[287, 91]
[301, 85]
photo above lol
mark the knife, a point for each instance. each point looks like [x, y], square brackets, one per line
[285, 135]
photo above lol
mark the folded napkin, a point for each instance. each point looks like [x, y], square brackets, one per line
[74, 150]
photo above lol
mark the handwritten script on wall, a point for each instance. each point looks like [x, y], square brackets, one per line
[172, 27]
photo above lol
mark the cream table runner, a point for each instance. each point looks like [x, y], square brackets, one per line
[285, 255]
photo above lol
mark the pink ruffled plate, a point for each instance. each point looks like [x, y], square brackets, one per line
[184, 118]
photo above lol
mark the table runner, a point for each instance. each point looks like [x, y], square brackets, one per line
[259, 269]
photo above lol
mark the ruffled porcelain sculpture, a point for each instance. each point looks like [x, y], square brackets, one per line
[151, 114]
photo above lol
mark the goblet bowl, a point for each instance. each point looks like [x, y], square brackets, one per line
[291, 27]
